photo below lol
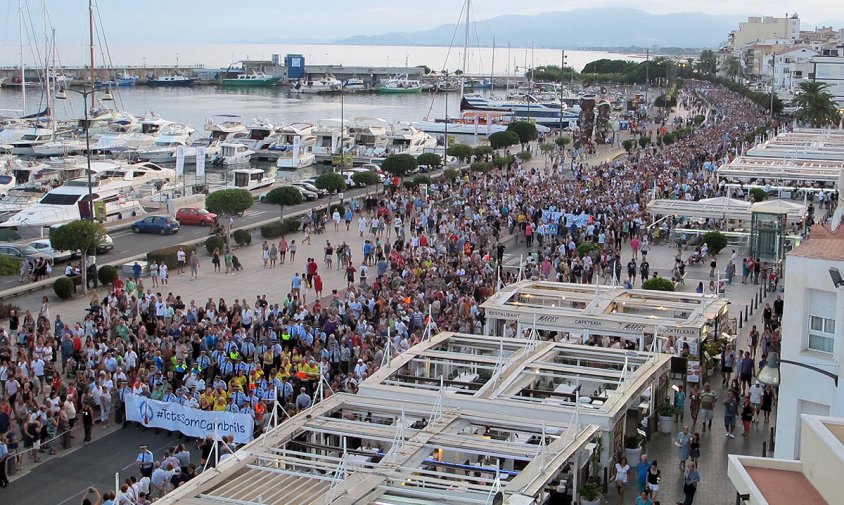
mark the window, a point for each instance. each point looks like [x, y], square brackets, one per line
[821, 334]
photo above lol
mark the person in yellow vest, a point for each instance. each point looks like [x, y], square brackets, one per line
[285, 370]
[220, 403]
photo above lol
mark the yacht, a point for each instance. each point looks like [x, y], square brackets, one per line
[7, 182]
[19, 198]
[253, 79]
[23, 171]
[232, 154]
[482, 123]
[259, 135]
[221, 127]
[34, 136]
[405, 139]
[370, 136]
[248, 179]
[332, 136]
[354, 84]
[149, 129]
[111, 200]
[164, 148]
[327, 84]
[525, 107]
[11, 130]
[295, 146]
[399, 84]
[136, 174]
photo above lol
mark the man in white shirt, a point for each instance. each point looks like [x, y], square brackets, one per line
[360, 369]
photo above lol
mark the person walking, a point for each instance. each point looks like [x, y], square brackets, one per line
[653, 478]
[621, 471]
[87, 421]
[680, 403]
[194, 265]
[694, 404]
[643, 499]
[691, 479]
[642, 469]
[707, 406]
[215, 259]
[768, 397]
[694, 448]
[145, 461]
[683, 442]
[4, 456]
[730, 412]
[747, 413]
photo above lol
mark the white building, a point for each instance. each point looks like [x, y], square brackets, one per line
[791, 68]
[759, 28]
[813, 335]
[829, 68]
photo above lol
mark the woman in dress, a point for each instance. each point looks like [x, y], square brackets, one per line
[694, 448]
[683, 442]
[621, 469]
[215, 259]
[768, 397]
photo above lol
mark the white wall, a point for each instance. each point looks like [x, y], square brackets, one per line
[802, 390]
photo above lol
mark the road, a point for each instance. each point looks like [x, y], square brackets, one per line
[128, 244]
[64, 479]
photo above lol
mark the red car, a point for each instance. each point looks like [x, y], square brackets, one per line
[199, 217]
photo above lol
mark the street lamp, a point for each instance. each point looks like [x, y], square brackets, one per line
[86, 91]
[770, 373]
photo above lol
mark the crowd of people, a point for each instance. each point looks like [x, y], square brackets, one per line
[429, 260]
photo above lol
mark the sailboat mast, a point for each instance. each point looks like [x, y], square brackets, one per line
[508, 69]
[47, 50]
[93, 77]
[465, 50]
[23, 68]
[492, 71]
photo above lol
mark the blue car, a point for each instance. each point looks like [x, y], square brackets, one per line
[162, 225]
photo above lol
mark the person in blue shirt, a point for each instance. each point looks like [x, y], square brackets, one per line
[642, 469]
[4, 455]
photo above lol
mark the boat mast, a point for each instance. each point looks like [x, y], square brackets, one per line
[465, 50]
[508, 69]
[93, 77]
[23, 68]
[492, 71]
[47, 50]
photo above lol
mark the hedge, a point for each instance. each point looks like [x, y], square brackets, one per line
[168, 255]
[279, 228]
[587, 247]
[63, 286]
[241, 237]
[9, 266]
[215, 242]
[658, 284]
[107, 274]
[715, 241]
[338, 207]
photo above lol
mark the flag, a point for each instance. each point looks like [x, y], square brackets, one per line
[200, 162]
[180, 161]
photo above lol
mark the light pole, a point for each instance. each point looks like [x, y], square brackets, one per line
[86, 91]
[445, 139]
[770, 373]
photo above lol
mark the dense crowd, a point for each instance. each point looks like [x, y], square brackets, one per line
[429, 260]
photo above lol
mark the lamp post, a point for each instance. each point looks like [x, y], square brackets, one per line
[86, 91]
[770, 373]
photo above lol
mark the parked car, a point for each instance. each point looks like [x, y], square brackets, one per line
[106, 245]
[310, 187]
[18, 251]
[43, 246]
[369, 167]
[162, 225]
[307, 196]
[191, 216]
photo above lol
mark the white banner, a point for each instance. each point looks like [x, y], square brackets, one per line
[190, 421]
[200, 162]
[180, 161]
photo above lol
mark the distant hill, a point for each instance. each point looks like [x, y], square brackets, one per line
[604, 27]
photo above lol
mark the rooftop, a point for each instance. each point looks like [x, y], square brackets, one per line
[823, 244]
[785, 487]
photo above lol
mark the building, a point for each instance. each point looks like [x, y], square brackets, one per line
[519, 378]
[829, 69]
[352, 450]
[803, 143]
[813, 335]
[758, 28]
[790, 68]
[812, 479]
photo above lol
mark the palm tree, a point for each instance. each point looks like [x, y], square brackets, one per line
[733, 68]
[816, 105]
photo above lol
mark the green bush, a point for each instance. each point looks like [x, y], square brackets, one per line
[666, 409]
[9, 266]
[338, 207]
[241, 237]
[699, 119]
[590, 491]
[668, 139]
[525, 156]
[562, 141]
[758, 194]
[627, 144]
[644, 141]
[482, 152]
[450, 174]
[633, 441]
[272, 230]
[715, 241]
[460, 151]
[422, 179]
[480, 167]
[107, 274]
[168, 254]
[215, 242]
[63, 287]
[587, 247]
[658, 284]
[292, 224]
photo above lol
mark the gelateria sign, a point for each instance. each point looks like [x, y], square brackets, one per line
[596, 324]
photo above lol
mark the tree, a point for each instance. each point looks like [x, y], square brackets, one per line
[481, 167]
[644, 141]
[82, 235]
[400, 165]
[450, 174]
[758, 194]
[365, 179]
[708, 63]
[715, 241]
[331, 182]
[284, 196]
[503, 140]
[816, 105]
[733, 68]
[562, 141]
[503, 161]
[229, 202]
[482, 152]
[525, 156]
[525, 130]
[431, 160]
[460, 151]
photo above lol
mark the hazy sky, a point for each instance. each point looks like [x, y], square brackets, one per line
[160, 21]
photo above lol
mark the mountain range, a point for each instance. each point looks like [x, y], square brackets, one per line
[593, 28]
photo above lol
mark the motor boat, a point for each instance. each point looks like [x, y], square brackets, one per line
[332, 136]
[111, 200]
[405, 139]
[481, 123]
[223, 126]
[327, 84]
[399, 84]
[23, 171]
[253, 79]
[295, 146]
[370, 136]
[150, 128]
[34, 136]
[354, 84]
[164, 148]
[136, 174]
[172, 81]
[248, 179]
[525, 107]
[7, 182]
[260, 133]
[232, 153]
